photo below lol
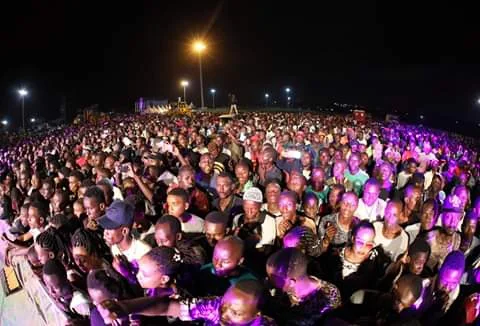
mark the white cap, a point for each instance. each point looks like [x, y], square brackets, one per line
[253, 194]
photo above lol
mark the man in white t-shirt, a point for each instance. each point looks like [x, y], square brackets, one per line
[177, 205]
[255, 225]
[370, 206]
[117, 223]
[389, 234]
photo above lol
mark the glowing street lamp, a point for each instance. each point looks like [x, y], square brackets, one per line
[266, 98]
[22, 92]
[478, 101]
[199, 47]
[184, 84]
[32, 120]
[4, 122]
[288, 90]
[213, 91]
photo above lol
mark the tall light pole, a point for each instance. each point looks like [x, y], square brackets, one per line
[184, 83]
[288, 90]
[213, 91]
[199, 47]
[266, 99]
[23, 92]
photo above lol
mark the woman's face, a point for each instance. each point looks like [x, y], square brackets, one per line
[241, 172]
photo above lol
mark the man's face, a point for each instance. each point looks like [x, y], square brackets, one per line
[449, 279]
[427, 219]
[450, 221]
[186, 180]
[354, 163]
[176, 205]
[34, 218]
[56, 288]
[348, 205]
[334, 197]
[109, 163]
[339, 169]
[385, 172]
[214, 232]
[370, 194]
[24, 181]
[225, 259]
[296, 184]
[310, 207]
[469, 227]
[412, 198]
[272, 193]
[392, 215]
[324, 158]
[306, 160]
[93, 209]
[73, 184]
[363, 241]
[57, 203]
[412, 167]
[164, 236]
[318, 179]
[252, 210]
[417, 262]
[114, 236]
[462, 193]
[288, 207]
[224, 187]
[266, 161]
[46, 191]
[238, 308]
[206, 164]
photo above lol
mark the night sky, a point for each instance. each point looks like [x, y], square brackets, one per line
[404, 57]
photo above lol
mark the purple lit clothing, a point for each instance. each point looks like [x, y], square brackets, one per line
[209, 310]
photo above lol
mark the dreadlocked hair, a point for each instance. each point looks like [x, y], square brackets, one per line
[53, 241]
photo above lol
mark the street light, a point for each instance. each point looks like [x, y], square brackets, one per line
[23, 92]
[213, 91]
[32, 120]
[288, 90]
[478, 101]
[266, 99]
[4, 122]
[184, 83]
[199, 47]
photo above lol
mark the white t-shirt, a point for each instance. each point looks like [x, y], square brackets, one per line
[193, 225]
[370, 213]
[392, 247]
[269, 230]
[137, 249]
[413, 230]
[80, 304]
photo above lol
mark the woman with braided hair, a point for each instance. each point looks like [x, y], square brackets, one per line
[89, 251]
[50, 244]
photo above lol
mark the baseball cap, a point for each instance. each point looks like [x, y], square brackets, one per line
[452, 204]
[119, 213]
[253, 194]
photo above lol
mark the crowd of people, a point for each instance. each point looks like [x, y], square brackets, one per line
[264, 219]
